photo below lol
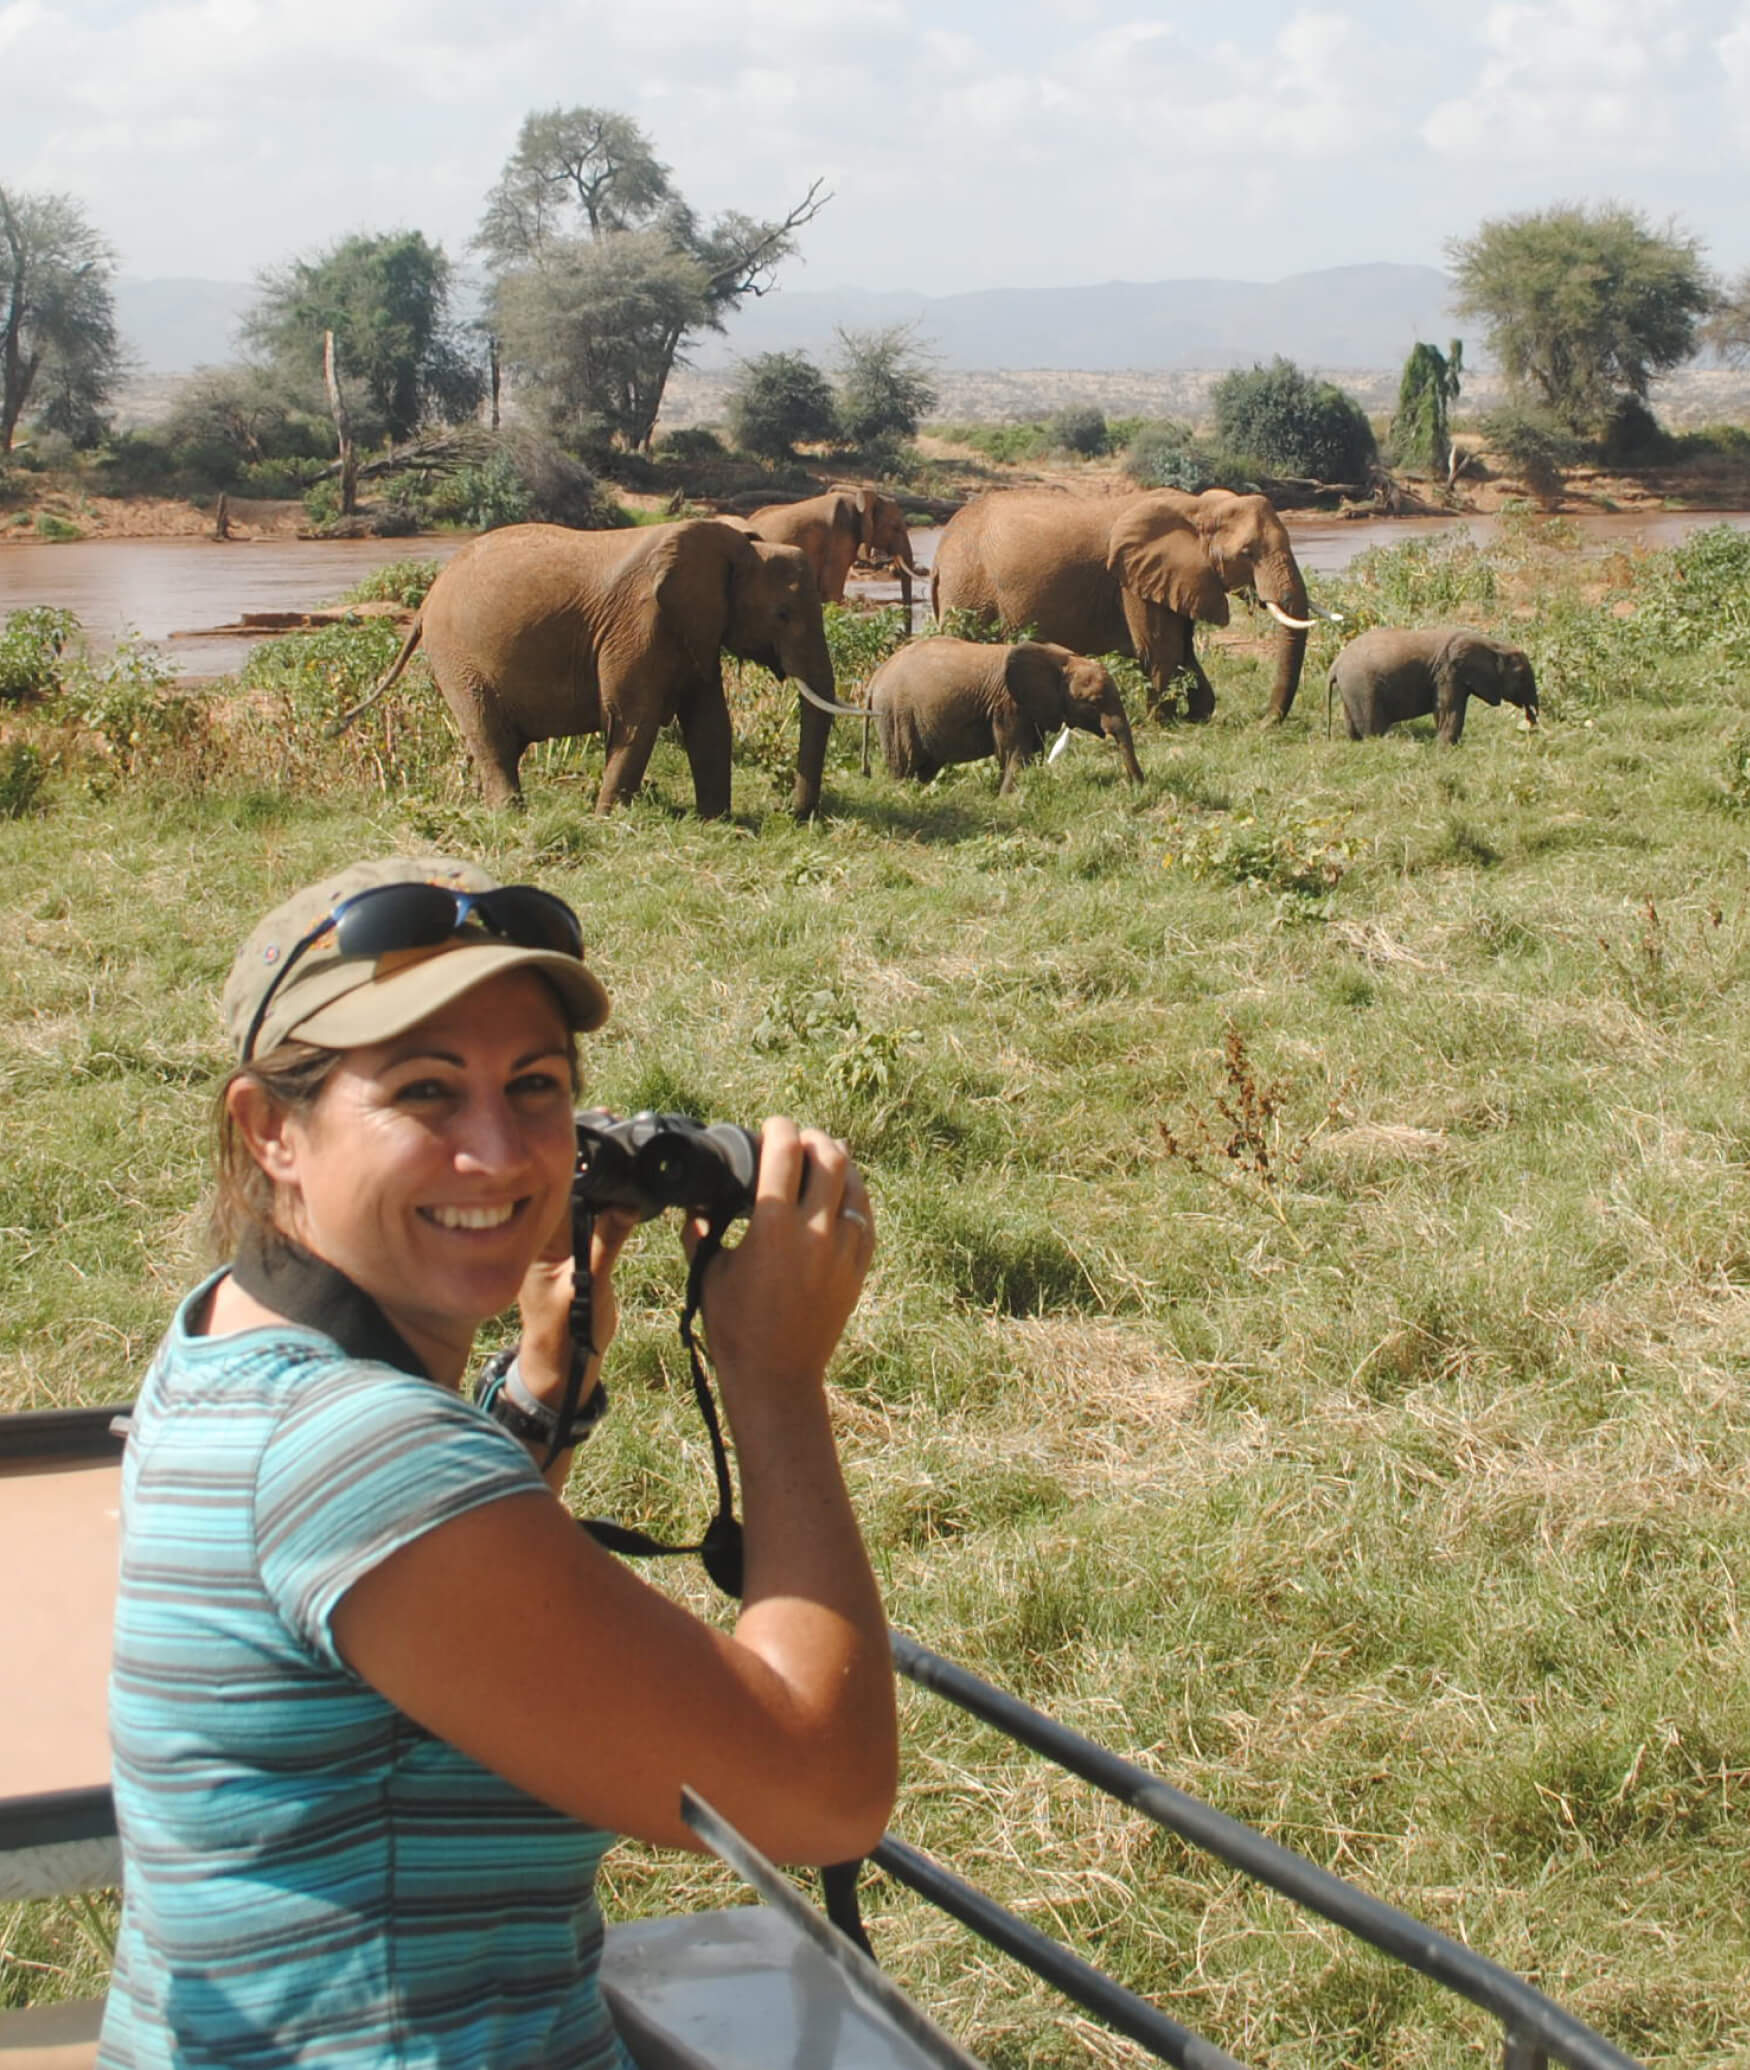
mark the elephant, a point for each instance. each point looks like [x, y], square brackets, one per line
[941, 700]
[834, 528]
[534, 631]
[1390, 674]
[1131, 575]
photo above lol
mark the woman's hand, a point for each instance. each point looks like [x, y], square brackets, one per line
[776, 1305]
[544, 1355]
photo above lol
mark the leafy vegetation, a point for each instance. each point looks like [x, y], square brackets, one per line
[600, 271]
[1290, 423]
[1420, 428]
[386, 299]
[1307, 1341]
[781, 400]
[59, 345]
[1583, 306]
[884, 389]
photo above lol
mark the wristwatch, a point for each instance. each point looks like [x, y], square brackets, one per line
[505, 1397]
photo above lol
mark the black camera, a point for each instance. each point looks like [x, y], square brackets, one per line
[649, 1162]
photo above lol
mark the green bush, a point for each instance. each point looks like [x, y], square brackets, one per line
[1167, 456]
[31, 644]
[781, 401]
[860, 641]
[322, 502]
[1292, 424]
[397, 582]
[1634, 437]
[1535, 447]
[58, 531]
[130, 702]
[691, 442]
[1081, 428]
[22, 774]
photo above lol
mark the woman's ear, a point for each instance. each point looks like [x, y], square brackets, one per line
[261, 1121]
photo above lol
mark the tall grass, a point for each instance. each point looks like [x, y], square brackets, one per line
[1307, 1344]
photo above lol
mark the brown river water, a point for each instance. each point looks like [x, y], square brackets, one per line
[169, 591]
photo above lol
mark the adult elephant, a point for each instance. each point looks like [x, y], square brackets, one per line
[834, 528]
[1393, 673]
[535, 631]
[1247, 545]
[1124, 575]
[940, 700]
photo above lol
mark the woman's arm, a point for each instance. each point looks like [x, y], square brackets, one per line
[511, 1634]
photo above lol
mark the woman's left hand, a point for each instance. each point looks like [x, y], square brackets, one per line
[544, 1356]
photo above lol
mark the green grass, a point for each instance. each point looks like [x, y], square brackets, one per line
[1308, 1340]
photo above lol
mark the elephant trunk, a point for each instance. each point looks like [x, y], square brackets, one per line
[1279, 582]
[816, 727]
[1117, 730]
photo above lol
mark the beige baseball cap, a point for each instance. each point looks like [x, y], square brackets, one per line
[292, 979]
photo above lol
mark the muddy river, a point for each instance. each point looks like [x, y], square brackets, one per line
[169, 591]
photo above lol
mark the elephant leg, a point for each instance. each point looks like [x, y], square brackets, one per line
[705, 731]
[814, 731]
[629, 742]
[493, 742]
[1199, 692]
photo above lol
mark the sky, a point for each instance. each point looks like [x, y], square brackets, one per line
[997, 143]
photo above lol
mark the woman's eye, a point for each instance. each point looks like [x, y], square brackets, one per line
[419, 1091]
[540, 1085]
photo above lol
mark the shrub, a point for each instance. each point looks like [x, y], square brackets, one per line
[1535, 447]
[397, 582]
[1293, 424]
[57, 530]
[132, 705]
[1167, 456]
[1081, 428]
[1634, 437]
[31, 644]
[690, 442]
[780, 402]
[860, 641]
[884, 386]
[22, 773]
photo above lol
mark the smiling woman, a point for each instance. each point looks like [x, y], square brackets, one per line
[359, 1641]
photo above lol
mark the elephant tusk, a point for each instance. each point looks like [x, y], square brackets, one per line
[825, 704]
[1058, 745]
[1282, 618]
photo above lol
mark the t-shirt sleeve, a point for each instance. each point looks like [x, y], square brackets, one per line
[368, 1460]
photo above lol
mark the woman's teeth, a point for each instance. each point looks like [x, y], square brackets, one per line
[472, 1217]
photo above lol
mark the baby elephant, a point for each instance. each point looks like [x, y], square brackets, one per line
[1387, 675]
[938, 701]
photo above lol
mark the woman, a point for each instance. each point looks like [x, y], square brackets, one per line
[377, 1703]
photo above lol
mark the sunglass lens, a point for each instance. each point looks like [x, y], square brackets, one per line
[395, 916]
[532, 918]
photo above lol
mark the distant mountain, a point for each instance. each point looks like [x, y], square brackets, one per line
[1346, 316]
[171, 326]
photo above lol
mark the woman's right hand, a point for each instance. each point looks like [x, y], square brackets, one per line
[776, 1305]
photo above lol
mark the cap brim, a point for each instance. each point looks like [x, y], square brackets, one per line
[386, 1006]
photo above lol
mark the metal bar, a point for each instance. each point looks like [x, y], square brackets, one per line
[1110, 2002]
[859, 1975]
[1529, 2016]
[56, 1818]
[62, 1433]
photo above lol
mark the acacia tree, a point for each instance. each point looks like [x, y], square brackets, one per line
[600, 270]
[1584, 306]
[885, 388]
[1727, 329]
[58, 336]
[387, 301]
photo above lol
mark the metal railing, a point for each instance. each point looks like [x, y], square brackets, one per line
[1536, 2029]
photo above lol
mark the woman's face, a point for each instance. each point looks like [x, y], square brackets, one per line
[433, 1167]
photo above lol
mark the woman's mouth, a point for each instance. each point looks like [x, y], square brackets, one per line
[484, 1217]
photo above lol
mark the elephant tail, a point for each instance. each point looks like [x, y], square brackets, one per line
[1330, 694]
[408, 646]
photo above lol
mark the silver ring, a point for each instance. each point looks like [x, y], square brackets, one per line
[852, 1215]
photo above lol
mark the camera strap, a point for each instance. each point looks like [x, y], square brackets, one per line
[720, 1548]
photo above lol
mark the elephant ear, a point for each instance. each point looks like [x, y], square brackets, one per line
[1157, 555]
[692, 568]
[847, 514]
[1033, 677]
[1475, 667]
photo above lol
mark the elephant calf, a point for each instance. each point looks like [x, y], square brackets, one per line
[939, 701]
[1391, 674]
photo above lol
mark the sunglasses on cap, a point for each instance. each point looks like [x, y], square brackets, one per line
[390, 917]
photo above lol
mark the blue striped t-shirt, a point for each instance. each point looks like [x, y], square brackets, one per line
[308, 1876]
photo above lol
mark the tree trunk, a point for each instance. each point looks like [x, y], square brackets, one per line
[342, 429]
[492, 363]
